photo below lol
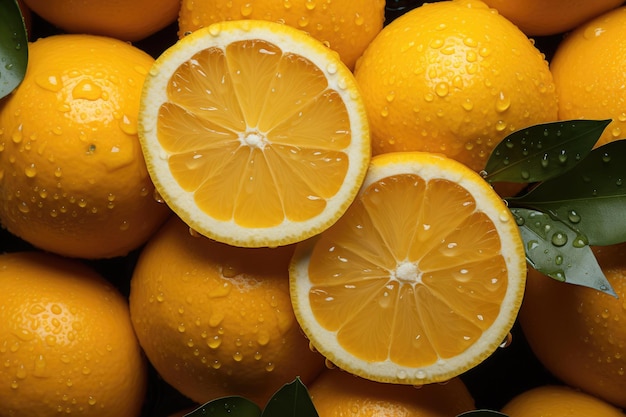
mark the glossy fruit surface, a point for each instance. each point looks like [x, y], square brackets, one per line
[453, 77]
[216, 320]
[345, 26]
[578, 333]
[72, 176]
[589, 69]
[66, 341]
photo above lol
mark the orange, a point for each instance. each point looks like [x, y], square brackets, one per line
[72, 177]
[66, 341]
[346, 26]
[254, 133]
[128, 20]
[419, 281]
[549, 17]
[453, 77]
[337, 394]
[216, 320]
[589, 69]
[578, 333]
[558, 400]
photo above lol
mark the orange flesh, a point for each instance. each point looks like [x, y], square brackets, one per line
[413, 284]
[261, 128]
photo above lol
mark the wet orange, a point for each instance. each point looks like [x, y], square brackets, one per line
[73, 180]
[67, 345]
[126, 20]
[578, 333]
[216, 320]
[453, 77]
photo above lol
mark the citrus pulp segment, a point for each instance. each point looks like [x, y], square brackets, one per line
[254, 133]
[420, 280]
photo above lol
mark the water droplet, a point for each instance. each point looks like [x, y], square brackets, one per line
[87, 90]
[525, 174]
[214, 342]
[269, 367]
[503, 102]
[507, 341]
[559, 239]
[573, 216]
[580, 241]
[606, 157]
[246, 9]
[237, 356]
[563, 156]
[558, 260]
[545, 160]
[49, 82]
[442, 89]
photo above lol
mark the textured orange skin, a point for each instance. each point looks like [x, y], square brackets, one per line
[579, 334]
[346, 26]
[558, 401]
[549, 17]
[72, 176]
[216, 320]
[66, 341]
[122, 19]
[453, 77]
[589, 69]
[336, 393]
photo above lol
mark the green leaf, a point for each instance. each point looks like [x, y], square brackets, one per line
[482, 413]
[542, 151]
[557, 251]
[590, 198]
[292, 400]
[234, 406]
[13, 47]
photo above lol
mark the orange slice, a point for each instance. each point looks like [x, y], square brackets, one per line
[419, 281]
[254, 133]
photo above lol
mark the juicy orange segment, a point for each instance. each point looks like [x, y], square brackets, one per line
[420, 280]
[254, 133]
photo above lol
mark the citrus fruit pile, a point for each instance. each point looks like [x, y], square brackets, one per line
[203, 199]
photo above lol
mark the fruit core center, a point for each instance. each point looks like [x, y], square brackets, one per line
[407, 272]
[254, 139]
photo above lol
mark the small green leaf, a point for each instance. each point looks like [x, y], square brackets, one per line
[292, 400]
[543, 151]
[590, 198]
[234, 406]
[13, 47]
[482, 413]
[557, 251]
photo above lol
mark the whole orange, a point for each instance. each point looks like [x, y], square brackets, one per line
[549, 17]
[578, 333]
[346, 26]
[216, 320]
[128, 20]
[589, 70]
[66, 341]
[453, 77]
[558, 400]
[72, 175]
[336, 393]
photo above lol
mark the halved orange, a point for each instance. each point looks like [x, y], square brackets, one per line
[254, 133]
[419, 281]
